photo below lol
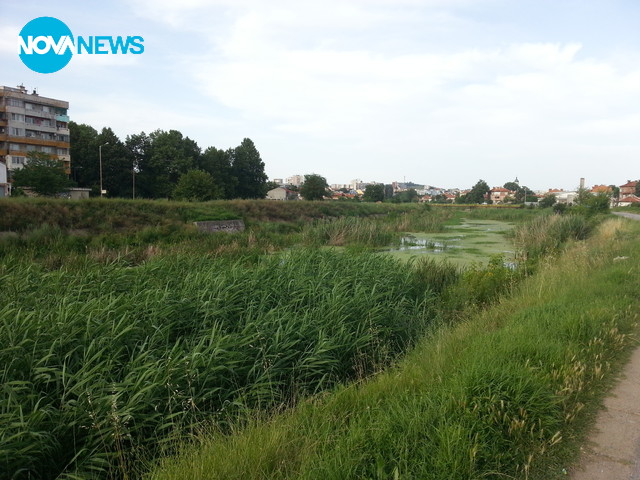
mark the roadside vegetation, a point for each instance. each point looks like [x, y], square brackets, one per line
[125, 335]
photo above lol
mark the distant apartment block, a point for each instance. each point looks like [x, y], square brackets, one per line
[30, 122]
[295, 180]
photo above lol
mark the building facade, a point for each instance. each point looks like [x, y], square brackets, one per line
[30, 122]
[628, 188]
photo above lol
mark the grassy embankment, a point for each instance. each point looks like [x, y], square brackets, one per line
[53, 232]
[504, 394]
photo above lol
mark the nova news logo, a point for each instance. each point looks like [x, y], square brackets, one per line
[47, 45]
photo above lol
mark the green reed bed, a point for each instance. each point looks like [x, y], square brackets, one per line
[373, 232]
[104, 364]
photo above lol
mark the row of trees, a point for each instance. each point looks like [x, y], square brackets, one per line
[164, 165]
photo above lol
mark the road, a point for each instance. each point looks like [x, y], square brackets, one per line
[632, 216]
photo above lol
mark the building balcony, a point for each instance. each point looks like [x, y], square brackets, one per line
[62, 118]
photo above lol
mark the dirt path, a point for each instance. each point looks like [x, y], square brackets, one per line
[613, 449]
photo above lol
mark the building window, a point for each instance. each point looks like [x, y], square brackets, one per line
[62, 151]
[17, 131]
[14, 102]
[18, 117]
[31, 148]
[15, 146]
[45, 108]
[17, 160]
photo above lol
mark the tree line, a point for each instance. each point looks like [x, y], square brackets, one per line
[164, 164]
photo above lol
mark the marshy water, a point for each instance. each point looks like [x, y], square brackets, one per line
[473, 241]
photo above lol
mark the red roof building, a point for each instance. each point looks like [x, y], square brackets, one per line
[628, 188]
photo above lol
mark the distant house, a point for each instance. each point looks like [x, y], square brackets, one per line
[281, 193]
[499, 194]
[629, 200]
[564, 196]
[601, 189]
[628, 188]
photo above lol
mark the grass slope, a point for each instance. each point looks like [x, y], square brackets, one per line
[504, 394]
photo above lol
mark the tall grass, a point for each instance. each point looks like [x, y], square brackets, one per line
[101, 364]
[372, 232]
[500, 395]
[544, 235]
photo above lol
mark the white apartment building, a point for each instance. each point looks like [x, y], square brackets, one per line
[30, 122]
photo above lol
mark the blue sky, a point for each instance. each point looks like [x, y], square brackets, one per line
[443, 92]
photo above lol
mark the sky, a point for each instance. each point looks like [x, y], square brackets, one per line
[438, 92]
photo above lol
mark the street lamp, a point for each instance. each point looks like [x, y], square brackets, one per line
[100, 156]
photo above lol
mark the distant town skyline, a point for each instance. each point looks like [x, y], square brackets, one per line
[442, 92]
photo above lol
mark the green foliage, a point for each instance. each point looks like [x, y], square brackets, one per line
[169, 156]
[513, 186]
[374, 193]
[406, 196]
[248, 168]
[106, 363]
[477, 194]
[589, 204]
[548, 201]
[483, 285]
[156, 161]
[43, 174]
[315, 187]
[196, 186]
[218, 164]
[84, 155]
[545, 235]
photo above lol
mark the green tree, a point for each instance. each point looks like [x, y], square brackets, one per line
[85, 170]
[513, 186]
[523, 194]
[477, 194]
[43, 174]
[406, 196]
[248, 168]
[638, 188]
[218, 163]
[615, 194]
[169, 156]
[374, 193]
[117, 164]
[388, 191]
[139, 147]
[547, 201]
[196, 186]
[440, 198]
[314, 187]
